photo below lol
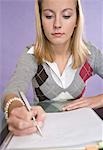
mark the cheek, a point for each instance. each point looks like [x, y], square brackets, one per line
[70, 28]
[46, 27]
[47, 30]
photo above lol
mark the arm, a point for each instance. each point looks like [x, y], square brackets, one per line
[96, 60]
[23, 74]
[92, 102]
[19, 121]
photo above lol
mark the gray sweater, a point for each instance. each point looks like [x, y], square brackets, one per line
[44, 87]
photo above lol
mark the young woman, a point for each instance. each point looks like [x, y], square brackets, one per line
[58, 64]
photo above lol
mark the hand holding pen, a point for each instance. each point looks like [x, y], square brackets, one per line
[29, 109]
[19, 121]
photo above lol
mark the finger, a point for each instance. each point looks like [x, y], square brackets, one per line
[22, 113]
[23, 132]
[40, 114]
[75, 105]
[19, 123]
[75, 101]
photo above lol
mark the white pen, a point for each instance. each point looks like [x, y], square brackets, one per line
[29, 109]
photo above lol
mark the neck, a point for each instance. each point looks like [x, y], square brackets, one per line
[60, 50]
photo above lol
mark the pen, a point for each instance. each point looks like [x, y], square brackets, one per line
[29, 109]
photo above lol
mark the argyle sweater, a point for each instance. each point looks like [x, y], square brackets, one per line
[44, 86]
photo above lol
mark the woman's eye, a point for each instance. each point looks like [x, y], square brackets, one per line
[49, 17]
[66, 17]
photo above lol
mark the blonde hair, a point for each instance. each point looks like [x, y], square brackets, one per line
[77, 45]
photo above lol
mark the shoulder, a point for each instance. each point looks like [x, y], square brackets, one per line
[94, 51]
[30, 49]
[96, 55]
[27, 57]
[29, 52]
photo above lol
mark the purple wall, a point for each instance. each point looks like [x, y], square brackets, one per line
[17, 32]
[18, 28]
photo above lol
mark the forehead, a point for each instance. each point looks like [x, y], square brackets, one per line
[58, 4]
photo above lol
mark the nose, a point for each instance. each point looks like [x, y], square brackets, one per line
[57, 23]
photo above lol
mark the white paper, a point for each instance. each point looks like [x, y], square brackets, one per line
[64, 129]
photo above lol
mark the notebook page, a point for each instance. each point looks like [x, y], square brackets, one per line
[65, 129]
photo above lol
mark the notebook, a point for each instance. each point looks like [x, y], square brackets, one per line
[63, 130]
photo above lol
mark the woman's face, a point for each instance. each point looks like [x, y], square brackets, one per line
[58, 20]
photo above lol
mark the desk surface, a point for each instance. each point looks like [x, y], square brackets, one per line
[5, 131]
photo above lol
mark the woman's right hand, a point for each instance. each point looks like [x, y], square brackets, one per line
[20, 120]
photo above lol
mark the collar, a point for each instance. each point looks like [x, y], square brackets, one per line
[31, 50]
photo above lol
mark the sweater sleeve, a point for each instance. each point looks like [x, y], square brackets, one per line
[23, 74]
[99, 64]
[96, 60]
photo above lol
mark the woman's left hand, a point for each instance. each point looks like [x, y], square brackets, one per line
[92, 102]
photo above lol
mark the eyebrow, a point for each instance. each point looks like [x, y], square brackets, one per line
[67, 9]
[48, 10]
[70, 9]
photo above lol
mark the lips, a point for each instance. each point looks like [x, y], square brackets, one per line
[57, 34]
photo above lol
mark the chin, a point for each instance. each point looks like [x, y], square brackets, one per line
[58, 41]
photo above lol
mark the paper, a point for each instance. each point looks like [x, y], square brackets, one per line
[64, 129]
